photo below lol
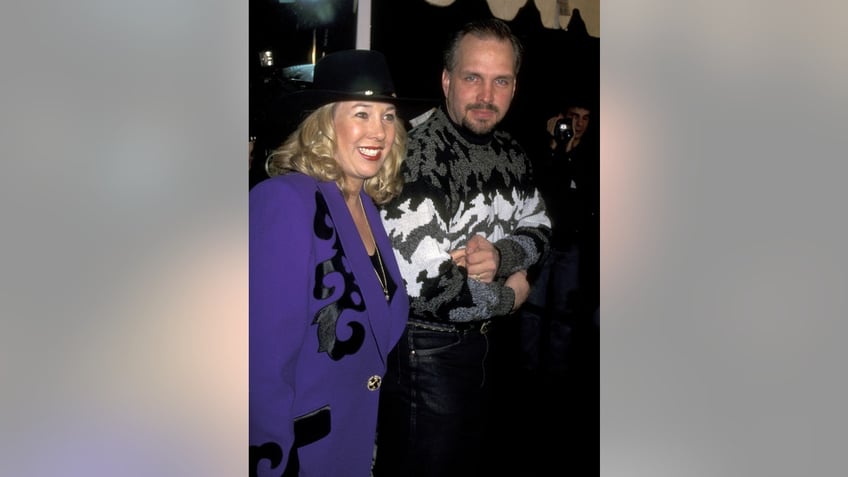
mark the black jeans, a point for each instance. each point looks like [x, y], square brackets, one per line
[434, 404]
[548, 314]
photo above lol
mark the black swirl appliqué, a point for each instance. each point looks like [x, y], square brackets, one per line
[328, 274]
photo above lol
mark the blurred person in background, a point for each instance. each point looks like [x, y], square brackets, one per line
[559, 321]
[565, 292]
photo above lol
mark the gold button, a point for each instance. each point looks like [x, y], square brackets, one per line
[374, 382]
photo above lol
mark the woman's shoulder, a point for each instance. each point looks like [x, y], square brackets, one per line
[293, 191]
[292, 182]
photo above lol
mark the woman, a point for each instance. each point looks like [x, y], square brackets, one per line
[327, 302]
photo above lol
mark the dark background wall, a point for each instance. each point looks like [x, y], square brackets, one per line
[557, 63]
[412, 33]
[290, 30]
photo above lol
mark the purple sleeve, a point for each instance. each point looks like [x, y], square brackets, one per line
[279, 249]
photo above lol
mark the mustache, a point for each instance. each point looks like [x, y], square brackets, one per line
[482, 106]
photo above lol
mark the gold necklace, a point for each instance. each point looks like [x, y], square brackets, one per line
[384, 282]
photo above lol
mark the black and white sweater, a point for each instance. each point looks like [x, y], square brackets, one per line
[457, 186]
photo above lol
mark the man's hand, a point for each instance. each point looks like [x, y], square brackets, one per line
[551, 125]
[519, 284]
[481, 259]
[458, 257]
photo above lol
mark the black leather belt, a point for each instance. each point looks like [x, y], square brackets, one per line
[454, 326]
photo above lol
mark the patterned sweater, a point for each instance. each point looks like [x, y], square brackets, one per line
[457, 186]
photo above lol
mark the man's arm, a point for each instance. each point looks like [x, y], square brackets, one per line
[440, 289]
[530, 241]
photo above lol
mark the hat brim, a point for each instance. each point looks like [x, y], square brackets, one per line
[307, 100]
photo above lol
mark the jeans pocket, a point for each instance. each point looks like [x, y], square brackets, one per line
[427, 342]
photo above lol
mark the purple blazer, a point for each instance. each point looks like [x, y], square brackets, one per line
[320, 330]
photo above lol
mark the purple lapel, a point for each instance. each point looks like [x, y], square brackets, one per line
[378, 310]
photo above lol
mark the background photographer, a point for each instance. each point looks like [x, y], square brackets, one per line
[559, 326]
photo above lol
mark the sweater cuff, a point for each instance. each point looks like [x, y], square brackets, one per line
[506, 300]
[509, 252]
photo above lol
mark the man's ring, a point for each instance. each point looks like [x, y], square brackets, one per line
[476, 276]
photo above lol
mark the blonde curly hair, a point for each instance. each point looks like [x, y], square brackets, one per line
[310, 150]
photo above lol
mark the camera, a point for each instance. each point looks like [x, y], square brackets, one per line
[563, 130]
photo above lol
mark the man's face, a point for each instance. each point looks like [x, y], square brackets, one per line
[480, 88]
[580, 118]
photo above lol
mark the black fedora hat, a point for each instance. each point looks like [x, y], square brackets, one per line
[350, 75]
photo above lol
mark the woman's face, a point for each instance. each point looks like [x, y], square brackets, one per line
[365, 132]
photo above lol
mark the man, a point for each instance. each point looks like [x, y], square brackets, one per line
[465, 229]
[565, 296]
